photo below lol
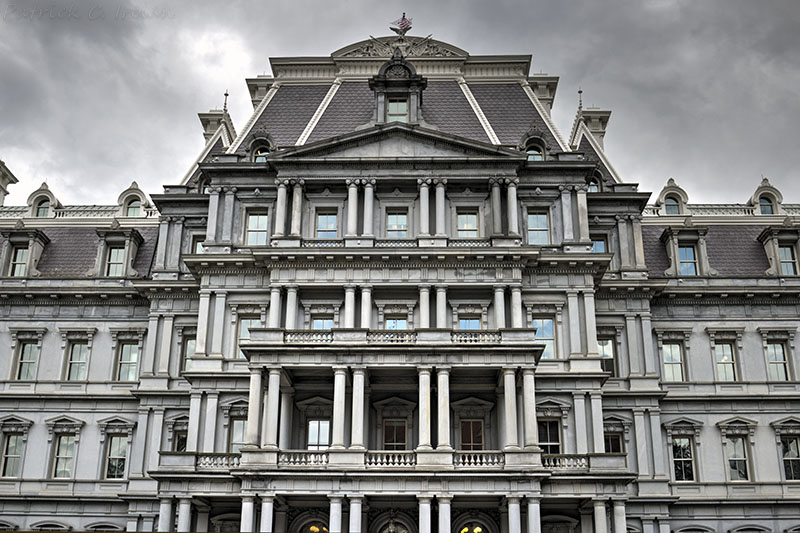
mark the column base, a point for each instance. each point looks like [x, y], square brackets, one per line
[581, 363]
[522, 459]
[346, 459]
[435, 459]
[209, 363]
[256, 458]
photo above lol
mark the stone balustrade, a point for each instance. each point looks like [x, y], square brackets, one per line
[390, 459]
[478, 459]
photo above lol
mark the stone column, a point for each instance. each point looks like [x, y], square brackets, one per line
[638, 242]
[597, 422]
[291, 307]
[649, 353]
[201, 342]
[161, 247]
[280, 209]
[355, 514]
[193, 432]
[248, 514]
[357, 420]
[497, 208]
[634, 353]
[366, 306]
[663, 525]
[529, 409]
[574, 323]
[349, 306]
[254, 406]
[441, 306]
[267, 509]
[270, 433]
[658, 449]
[640, 431]
[444, 513]
[165, 516]
[591, 323]
[424, 408]
[443, 397]
[339, 384]
[297, 208]
[620, 522]
[624, 247]
[424, 306]
[534, 515]
[513, 208]
[335, 517]
[583, 213]
[201, 520]
[274, 307]
[600, 521]
[440, 207]
[155, 438]
[166, 345]
[514, 518]
[220, 298]
[210, 432]
[500, 306]
[213, 211]
[227, 214]
[581, 441]
[287, 408]
[424, 514]
[185, 515]
[566, 212]
[516, 307]
[352, 208]
[510, 397]
[369, 198]
[424, 207]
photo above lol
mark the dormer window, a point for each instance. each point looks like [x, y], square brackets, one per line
[765, 206]
[535, 153]
[134, 208]
[397, 110]
[260, 154]
[672, 206]
[115, 262]
[43, 209]
[398, 92]
[594, 185]
[116, 253]
[19, 262]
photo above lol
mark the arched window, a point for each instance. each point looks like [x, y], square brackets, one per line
[765, 204]
[594, 185]
[535, 153]
[43, 209]
[134, 208]
[672, 206]
[260, 154]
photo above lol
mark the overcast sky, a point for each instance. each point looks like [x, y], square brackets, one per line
[95, 94]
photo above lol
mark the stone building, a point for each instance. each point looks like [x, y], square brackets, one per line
[399, 301]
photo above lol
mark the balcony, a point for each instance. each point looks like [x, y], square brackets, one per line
[365, 337]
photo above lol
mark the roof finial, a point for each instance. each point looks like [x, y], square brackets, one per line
[580, 99]
[225, 104]
[401, 25]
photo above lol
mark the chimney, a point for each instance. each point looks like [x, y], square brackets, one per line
[6, 179]
[211, 122]
[597, 120]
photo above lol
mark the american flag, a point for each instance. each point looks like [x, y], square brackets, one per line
[401, 25]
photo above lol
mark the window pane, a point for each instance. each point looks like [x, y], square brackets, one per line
[64, 450]
[598, 246]
[116, 261]
[737, 458]
[19, 262]
[128, 361]
[726, 370]
[179, 440]
[605, 347]
[467, 225]
[134, 208]
[538, 229]
[673, 362]
[469, 323]
[245, 324]
[12, 454]
[776, 359]
[78, 354]
[545, 334]
[766, 206]
[322, 323]
[326, 225]
[27, 361]
[682, 456]
[688, 263]
[671, 206]
[256, 229]
[117, 451]
[396, 225]
[397, 323]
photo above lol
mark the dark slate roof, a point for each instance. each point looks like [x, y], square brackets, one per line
[510, 112]
[734, 251]
[445, 106]
[352, 106]
[591, 155]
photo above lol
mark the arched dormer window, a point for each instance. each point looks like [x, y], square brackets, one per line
[260, 153]
[398, 91]
[765, 206]
[594, 185]
[672, 206]
[43, 209]
[134, 208]
[535, 152]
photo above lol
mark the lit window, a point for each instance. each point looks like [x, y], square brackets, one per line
[43, 209]
[673, 361]
[237, 435]
[594, 185]
[396, 225]
[671, 206]
[599, 245]
[472, 435]
[128, 361]
[397, 110]
[396, 322]
[467, 222]
[726, 366]
[319, 434]
[256, 229]
[63, 455]
[245, 324]
[323, 323]
[469, 322]
[394, 434]
[606, 349]
[613, 443]
[549, 436]
[683, 458]
[115, 263]
[534, 153]
[788, 260]
[134, 208]
[538, 229]
[688, 260]
[189, 345]
[26, 366]
[117, 453]
[76, 364]
[19, 262]
[776, 362]
[260, 154]
[326, 225]
[12, 454]
[545, 334]
[765, 205]
[179, 440]
[736, 451]
[790, 446]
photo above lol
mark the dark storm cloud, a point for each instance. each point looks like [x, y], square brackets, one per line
[96, 94]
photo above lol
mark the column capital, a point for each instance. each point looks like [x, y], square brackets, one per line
[533, 498]
[496, 181]
[292, 287]
[366, 287]
[510, 369]
[368, 182]
[274, 370]
[282, 182]
[595, 394]
[424, 286]
[424, 368]
[564, 188]
[298, 182]
[444, 369]
[444, 498]
[359, 369]
[248, 497]
[266, 495]
[441, 286]
[527, 370]
[339, 369]
[440, 182]
[424, 498]
[578, 394]
[513, 499]
[499, 287]
[349, 286]
[350, 182]
[356, 497]
[424, 182]
[512, 182]
[581, 188]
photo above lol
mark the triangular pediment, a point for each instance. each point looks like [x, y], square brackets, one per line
[396, 141]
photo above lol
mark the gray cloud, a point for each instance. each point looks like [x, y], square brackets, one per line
[96, 94]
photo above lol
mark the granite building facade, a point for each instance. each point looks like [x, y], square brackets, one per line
[399, 300]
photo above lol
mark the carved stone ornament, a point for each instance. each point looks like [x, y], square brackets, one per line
[409, 46]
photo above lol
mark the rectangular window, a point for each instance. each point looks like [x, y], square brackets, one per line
[26, 365]
[19, 262]
[128, 361]
[12, 454]
[613, 442]
[469, 322]
[545, 334]
[467, 224]
[394, 434]
[76, 363]
[189, 346]
[197, 244]
[245, 324]
[605, 347]
[396, 322]
[319, 434]
[599, 245]
[549, 436]
[726, 366]
[472, 435]
[256, 229]
[115, 459]
[63, 455]
[683, 458]
[736, 450]
[396, 224]
[397, 110]
[791, 457]
[322, 322]
[673, 361]
[688, 260]
[776, 362]
[538, 229]
[326, 225]
[115, 262]
[788, 260]
[179, 440]
[237, 434]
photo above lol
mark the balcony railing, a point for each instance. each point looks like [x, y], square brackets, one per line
[217, 461]
[565, 462]
[395, 337]
[389, 459]
[303, 458]
[323, 243]
[360, 336]
[308, 336]
[475, 337]
[482, 459]
[395, 243]
[470, 243]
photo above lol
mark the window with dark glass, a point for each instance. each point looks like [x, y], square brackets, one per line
[134, 208]
[63, 455]
[765, 206]
[683, 458]
[549, 436]
[471, 434]
[43, 209]
[319, 434]
[394, 434]
[115, 261]
[77, 357]
[736, 451]
[790, 447]
[256, 229]
[599, 245]
[396, 322]
[538, 229]
[322, 322]
[237, 436]
[12, 454]
[469, 322]
[788, 260]
[116, 454]
[724, 359]
[397, 110]
[687, 259]
[396, 224]
[673, 361]
[128, 361]
[613, 442]
[777, 365]
[672, 206]
[545, 334]
[179, 439]
[467, 222]
[245, 324]
[605, 347]
[26, 363]
[326, 225]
